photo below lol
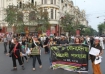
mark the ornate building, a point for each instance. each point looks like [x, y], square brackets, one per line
[55, 8]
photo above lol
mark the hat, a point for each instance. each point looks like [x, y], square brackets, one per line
[97, 38]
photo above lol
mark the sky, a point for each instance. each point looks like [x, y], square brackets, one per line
[93, 9]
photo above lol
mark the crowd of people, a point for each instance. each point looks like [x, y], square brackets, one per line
[24, 47]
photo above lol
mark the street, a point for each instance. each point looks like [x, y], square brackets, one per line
[6, 65]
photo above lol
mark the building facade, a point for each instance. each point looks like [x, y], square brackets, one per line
[55, 8]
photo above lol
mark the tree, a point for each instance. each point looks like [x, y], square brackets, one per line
[36, 17]
[20, 23]
[101, 28]
[11, 15]
[15, 18]
[86, 30]
[67, 23]
[43, 21]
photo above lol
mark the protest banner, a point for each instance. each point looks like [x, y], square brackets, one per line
[72, 57]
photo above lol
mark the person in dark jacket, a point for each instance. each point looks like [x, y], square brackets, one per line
[16, 54]
[91, 41]
[45, 44]
[63, 40]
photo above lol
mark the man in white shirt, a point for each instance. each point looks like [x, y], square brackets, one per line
[9, 37]
[101, 42]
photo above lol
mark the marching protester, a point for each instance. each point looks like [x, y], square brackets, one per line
[51, 42]
[96, 67]
[27, 50]
[77, 40]
[35, 52]
[83, 40]
[102, 42]
[23, 50]
[46, 47]
[91, 41]
[5, 40]
[9, 37]
[24, 55]
[63, 40]
[30, 41]
[15, 52]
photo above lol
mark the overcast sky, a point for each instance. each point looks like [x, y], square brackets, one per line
[93, 8]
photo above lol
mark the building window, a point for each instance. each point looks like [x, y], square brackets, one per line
[51, 1]
[32, 1]
[45, 1]
[55, 14]
[54, 1]
[42, 1]
[51, 13]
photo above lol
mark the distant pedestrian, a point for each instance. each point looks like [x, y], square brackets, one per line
[5, 40]
[46, 47]
[9, 37]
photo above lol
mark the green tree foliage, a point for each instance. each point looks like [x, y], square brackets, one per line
[81, 27]
[15, 17]
[101, 28]
[88, 31]
[67, 23]
[43, 21]
[11, 15]
[20, 28]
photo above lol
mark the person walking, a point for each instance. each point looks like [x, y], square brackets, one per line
[9, 37]
[23, 50]
[46, 45]
[35, 52]
[51, 42]
[16, 54]
[5, 40]
[77, 41]
[96, 67]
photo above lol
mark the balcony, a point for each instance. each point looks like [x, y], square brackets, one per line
[52, 21]
[49, 6]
